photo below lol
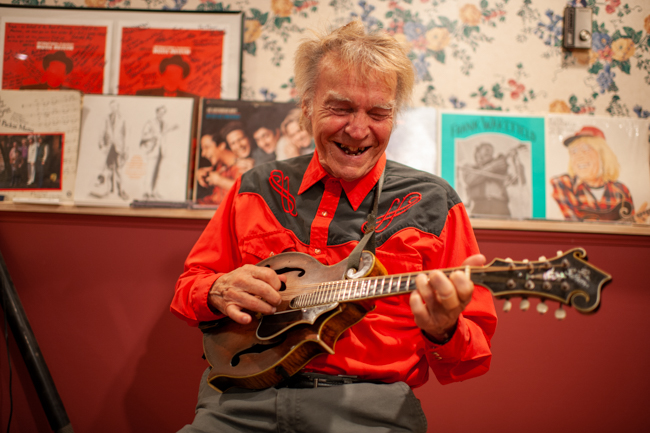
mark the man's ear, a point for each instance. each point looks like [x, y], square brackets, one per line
[305, 106]
[222, 145]
[305, 116]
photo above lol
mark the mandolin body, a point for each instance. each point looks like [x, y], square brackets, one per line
[272, 348]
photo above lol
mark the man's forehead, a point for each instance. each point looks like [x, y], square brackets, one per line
[333, 96]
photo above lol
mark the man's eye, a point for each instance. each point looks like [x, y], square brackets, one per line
[379, 115]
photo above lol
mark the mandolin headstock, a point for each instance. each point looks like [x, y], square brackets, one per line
[567, 278]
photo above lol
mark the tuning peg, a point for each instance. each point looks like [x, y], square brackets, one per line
[524, 261]
[507, 306]
[509, 260]
[560, 313]
[542, 308]
[559, 252]
[524, 305]
[542, 258]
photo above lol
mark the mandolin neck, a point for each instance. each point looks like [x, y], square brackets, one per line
[360, 289]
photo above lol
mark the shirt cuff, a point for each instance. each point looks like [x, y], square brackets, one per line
[450, 350]
[200, 300]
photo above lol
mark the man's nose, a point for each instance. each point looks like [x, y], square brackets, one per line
[358, 127]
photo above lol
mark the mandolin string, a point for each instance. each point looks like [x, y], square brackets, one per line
[336, 286]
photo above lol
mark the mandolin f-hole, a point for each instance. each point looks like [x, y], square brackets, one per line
[257, 348]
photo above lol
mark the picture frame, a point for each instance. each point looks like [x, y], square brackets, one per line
[495, 162]
[39, 138]
[597, 169]
[234, 136]
[108, 25]
[133, 148]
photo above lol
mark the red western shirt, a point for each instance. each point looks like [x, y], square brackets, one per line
[295, 205]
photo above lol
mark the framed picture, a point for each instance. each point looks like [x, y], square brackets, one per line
[495, 162]
[127, 51]
[133, 148]
[44, 53]
[597, 169]
[237, 135]
[39, 137]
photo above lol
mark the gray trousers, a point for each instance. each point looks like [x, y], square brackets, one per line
[353, 408]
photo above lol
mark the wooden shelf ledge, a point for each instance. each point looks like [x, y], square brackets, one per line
[477, 223]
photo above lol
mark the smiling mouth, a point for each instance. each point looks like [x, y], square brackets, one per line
[352, 151]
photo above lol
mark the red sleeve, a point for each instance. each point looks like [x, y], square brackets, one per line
[468, 353]
[214, 254]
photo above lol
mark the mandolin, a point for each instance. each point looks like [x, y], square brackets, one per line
[320, 302]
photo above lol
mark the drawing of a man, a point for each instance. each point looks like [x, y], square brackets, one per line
[153, 142]
[113, 142]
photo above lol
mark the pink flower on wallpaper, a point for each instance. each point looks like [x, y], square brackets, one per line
[306, 5]
[419, 43]
[495, 14]
[484, 103]
[606, 54]
[518, 89]
[612, 5]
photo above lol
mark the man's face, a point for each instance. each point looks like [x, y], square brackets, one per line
[172, 78]
[160, 113]
[484, 154]
[297, 136]
[584, 161]
[55, 74]
[266, 139]
[238, 143]
[351, 118]
[209, 149]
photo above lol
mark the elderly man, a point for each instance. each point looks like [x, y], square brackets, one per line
[351, 85]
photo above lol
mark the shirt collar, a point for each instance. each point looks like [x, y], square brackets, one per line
[356, 190]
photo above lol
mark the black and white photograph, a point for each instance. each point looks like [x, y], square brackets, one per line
[494, 175]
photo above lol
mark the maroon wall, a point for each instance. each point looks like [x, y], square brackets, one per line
[96, 290]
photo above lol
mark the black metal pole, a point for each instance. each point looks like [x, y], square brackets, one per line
[24, 336]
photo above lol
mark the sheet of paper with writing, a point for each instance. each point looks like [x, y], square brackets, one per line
[39, 140]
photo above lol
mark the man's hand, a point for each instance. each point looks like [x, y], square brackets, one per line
[438, 300]
[251, 288]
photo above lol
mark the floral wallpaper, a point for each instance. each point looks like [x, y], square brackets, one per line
[468, 54]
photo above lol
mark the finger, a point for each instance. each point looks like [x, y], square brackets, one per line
[425, 292]
[418, 308]
[464, 286]
[445, 291]
[236, 314]
[475, 260]
[244, 300]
